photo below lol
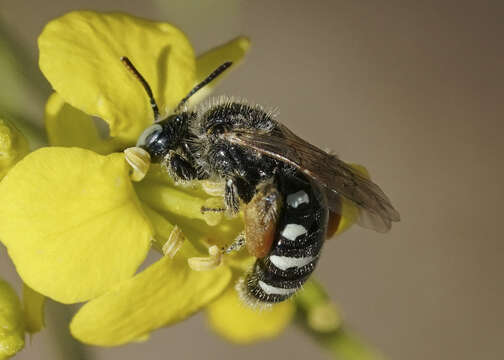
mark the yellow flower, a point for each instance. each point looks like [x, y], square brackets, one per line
[13, 146]
[14, 319]
[77, 228]
[12, 325]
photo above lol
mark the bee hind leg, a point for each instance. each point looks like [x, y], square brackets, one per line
[261, 215]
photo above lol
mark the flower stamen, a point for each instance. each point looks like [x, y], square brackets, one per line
[213, 188]
[206, 263]
[139, 160]
[324, 317]
[174, 242]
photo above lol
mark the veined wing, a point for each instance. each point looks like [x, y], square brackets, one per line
[334, 175]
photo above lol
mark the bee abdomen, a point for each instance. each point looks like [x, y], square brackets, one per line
[296, 248]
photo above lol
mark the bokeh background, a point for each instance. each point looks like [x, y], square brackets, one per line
[411, 89]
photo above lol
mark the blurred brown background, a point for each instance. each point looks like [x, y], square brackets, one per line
[411, 89]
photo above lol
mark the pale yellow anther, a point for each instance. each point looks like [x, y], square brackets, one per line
[213, 188]
[139, 159]
[174, 242]
[206, 263]
[324, 317]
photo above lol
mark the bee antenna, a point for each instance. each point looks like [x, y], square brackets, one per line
[208, 79]
[144, 83]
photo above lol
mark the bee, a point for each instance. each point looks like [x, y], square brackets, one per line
[290, 191]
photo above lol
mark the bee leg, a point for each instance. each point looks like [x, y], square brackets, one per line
[179, 168]
[236, 245]
[261, 215]
[212, 209]
[231, 198]
[236, 189]
[268, 202]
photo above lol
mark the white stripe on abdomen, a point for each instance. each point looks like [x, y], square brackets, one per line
[273, 290]
[286, 262]
[292, 231]
[298, 198]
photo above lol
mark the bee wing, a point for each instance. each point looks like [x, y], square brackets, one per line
[335, 176]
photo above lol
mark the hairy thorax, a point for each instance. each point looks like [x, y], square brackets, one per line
[217, 156]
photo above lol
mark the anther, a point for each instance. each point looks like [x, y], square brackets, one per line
[139, 159]
[174, 242]
[324, 318]
[213, 188]
[206, 263]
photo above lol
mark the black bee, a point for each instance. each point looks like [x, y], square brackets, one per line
[291, 190]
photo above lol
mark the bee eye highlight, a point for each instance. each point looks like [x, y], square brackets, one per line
[149, 135]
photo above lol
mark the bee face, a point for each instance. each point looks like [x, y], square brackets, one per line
[163, 136]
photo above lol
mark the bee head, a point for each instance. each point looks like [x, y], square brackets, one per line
[165, 135]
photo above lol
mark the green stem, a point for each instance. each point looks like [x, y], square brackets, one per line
[320, 319]
[67, 347]
[342, 344]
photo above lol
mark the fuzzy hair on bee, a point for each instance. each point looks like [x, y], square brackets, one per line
[290, 191]
[222, 114]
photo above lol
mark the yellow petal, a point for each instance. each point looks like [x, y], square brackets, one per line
[72, 223]
[11, 322]
[13, 146]
[350, 214]
[80, 55]
[162, 227]
[33, 304]
[181, 205]
[67, 126]
[165, 293]
[236, 322]
[207, 62]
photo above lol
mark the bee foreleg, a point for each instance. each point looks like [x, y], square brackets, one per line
[179, 168]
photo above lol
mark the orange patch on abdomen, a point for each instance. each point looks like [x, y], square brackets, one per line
[332, 224]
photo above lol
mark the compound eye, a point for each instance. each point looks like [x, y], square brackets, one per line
[149, 135]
